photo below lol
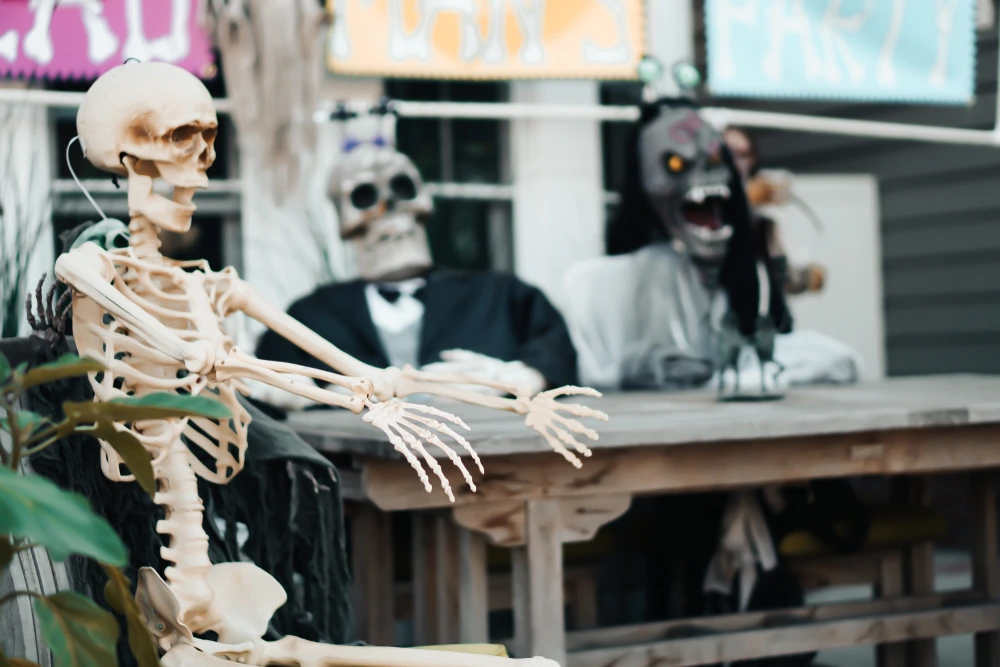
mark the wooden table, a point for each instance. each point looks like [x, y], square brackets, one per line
[533, 501]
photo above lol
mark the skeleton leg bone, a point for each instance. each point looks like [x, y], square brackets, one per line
[295, 651]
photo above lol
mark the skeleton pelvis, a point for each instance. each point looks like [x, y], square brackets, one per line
[245, 597]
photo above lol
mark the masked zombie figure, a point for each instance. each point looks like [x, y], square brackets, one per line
[683, 295]
[403, 310]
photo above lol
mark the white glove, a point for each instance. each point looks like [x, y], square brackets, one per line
[482, 367]
[280, 398]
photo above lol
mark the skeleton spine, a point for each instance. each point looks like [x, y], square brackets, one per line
[188, 544]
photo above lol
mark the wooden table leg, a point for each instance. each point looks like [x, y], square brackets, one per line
[985, 575]
[473, 602]
[890, 585]
[371, 554]
[424, 579]
[448, 579]
[918, 565]
[547, 634]
[522, 608]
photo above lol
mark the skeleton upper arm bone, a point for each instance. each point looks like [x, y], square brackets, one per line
[81, 270]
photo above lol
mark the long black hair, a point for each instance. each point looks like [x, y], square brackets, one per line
[635, 225]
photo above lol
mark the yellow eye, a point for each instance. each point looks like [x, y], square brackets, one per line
[675, 163]
[715, 159]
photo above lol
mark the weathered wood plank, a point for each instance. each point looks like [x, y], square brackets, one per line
[371, 546]
[789, 640]
[890, 585]
[447, 579]
[545, 581]
[651, 633]
[985, 563]
[642, 418]
[580, 518]
[474, 603]
[688, 468]
[424, 579]
[918, 566]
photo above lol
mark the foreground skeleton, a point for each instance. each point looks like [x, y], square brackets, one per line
[157, 324]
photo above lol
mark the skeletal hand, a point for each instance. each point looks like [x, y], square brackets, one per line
[408, 431]
[543, 416]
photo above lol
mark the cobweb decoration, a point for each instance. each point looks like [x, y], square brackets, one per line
[272, 61]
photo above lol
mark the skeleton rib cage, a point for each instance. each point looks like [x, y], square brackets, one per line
[173, 292]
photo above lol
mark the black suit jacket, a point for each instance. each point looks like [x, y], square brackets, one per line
[489, 313]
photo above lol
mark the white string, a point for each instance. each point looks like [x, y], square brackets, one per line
[77, 180]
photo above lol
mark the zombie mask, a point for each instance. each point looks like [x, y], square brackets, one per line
[383, 204]
[686, 181]
[125, 114]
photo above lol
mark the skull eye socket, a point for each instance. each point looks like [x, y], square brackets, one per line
[364, 196]
[184, 133]
[208, 134]
[674, 163]
[403, 187]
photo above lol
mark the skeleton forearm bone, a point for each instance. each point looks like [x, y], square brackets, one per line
[239, 365]
[245, 299]
[81, 269]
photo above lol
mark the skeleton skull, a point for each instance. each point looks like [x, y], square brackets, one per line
[383, 204]
[686, 181]
[126, 114]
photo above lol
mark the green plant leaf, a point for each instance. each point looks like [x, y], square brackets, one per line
[6, 552]
[119, 595]
[66, 366]
[15, 662]
[63, 522]
[5, 369]
[27, 422]
[79, 633]
[160, 405]
[129, 448]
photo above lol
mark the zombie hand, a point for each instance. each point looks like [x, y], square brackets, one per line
[52, 319]
[543, 416]
[408, 431]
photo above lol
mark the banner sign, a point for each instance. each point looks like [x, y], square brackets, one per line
[82, 39]
[487, 39]
[917, 51]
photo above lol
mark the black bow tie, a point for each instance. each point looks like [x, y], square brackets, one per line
[392, 294]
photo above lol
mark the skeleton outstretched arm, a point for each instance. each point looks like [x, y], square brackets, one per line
[88, 271]
[541, 411]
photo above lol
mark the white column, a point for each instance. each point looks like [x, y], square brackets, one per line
[558, 190]
[25, 189]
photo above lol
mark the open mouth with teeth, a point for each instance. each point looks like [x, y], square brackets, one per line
[703, 206]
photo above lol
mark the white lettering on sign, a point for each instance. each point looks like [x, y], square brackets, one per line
[944, 15]
[102, 43]
[886, 73]
[730, 13]
[620, 52]
[788, 19]
[831, 36]
[824, 44]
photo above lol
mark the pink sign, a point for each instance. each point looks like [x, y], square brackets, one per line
[82, 39]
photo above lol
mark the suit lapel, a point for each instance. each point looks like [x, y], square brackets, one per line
[441, 304]
[364, 327]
